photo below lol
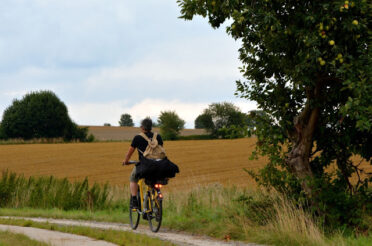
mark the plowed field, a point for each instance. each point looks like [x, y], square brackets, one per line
[119, 133]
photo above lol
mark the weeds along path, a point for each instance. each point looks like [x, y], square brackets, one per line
[54, 238]
[174, 237]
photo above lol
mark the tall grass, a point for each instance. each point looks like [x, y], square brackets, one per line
[49, 192]
[215, 210]
[236, 213]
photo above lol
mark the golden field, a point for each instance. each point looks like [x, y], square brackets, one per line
[201, 162]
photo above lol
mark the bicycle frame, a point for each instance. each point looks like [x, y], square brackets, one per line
[150, 201]
[145, 190]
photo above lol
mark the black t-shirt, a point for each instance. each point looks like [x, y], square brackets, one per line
[140, 143]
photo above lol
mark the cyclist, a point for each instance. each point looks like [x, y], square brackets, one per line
[140, 143]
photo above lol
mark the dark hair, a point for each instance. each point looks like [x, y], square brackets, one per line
[146, 124]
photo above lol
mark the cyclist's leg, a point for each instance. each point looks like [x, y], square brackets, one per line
[134, 189]
[133, 183]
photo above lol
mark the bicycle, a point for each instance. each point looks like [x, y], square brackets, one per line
[150, 201]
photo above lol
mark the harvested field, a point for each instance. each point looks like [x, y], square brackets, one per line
[201, 162]
[117, 133]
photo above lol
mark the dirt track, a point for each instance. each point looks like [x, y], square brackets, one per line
[177, 238]
[54, 238]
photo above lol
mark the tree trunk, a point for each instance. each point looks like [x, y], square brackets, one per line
[298, 159]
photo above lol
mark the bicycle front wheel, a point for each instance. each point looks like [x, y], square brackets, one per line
[155, 215]
[134, 217]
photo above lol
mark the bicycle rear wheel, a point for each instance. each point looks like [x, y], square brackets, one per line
[155, 216]
[134, 215]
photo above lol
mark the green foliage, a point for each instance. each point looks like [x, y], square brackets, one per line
[90, 138]
[39, 115]
[170, 125]
[126, 120]
[232, 132]
[49, 192]
[2, 133]
[223, 120]
[74, 131]
[204, 121]
[307, 64]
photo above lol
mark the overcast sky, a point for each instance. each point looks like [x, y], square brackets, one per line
[104, 58]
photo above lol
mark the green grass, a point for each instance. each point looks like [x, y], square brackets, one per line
[109, 215]
[114, 236]
[214, 210]
[12, 239]
[223, 212]
[49, 192]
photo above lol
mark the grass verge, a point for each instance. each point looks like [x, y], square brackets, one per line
[213, 210]
[114, 236]
[11, 239]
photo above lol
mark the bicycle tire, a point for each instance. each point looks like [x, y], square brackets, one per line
[134, 215]
[155, 216]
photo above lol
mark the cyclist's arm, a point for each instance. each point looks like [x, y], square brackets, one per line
[129, 155]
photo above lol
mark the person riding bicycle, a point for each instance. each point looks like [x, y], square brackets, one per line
[139, 143]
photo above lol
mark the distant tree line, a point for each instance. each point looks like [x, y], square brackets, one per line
[220, 120]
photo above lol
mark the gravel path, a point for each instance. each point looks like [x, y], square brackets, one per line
[175, 237]
[54, 238]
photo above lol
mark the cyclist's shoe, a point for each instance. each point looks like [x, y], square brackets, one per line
[144, 216]
[134, 203]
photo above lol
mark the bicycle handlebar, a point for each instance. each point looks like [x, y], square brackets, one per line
[133, 162]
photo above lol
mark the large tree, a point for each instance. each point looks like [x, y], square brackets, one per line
[307, 64]
[39, 115]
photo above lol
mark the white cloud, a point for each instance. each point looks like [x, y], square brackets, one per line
[195, 67]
